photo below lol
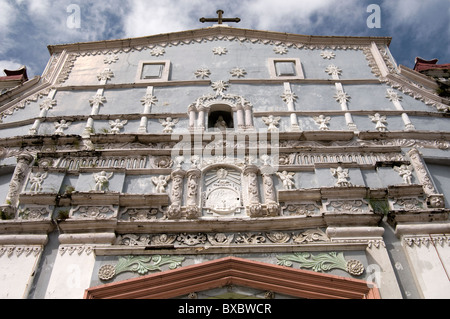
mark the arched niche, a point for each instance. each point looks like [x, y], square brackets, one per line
[236, 111]
[220, 116]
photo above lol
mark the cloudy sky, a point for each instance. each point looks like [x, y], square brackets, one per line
[418, 27]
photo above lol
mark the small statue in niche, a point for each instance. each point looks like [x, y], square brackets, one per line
[272, 123]
[287, 180]
[36, 181]
[102, 181]
[161, 183]
[168, 124]
[405, 171]
[221, 124]
[342, 176]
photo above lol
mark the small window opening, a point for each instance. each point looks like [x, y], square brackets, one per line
[285, 68]
[152, 71]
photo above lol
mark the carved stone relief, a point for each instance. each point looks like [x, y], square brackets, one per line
[322, 262]
[93, 212]
[220, 239]
[141, 265]
[222, 195]
[341, 176]
[306, 209]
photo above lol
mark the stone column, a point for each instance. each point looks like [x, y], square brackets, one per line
[434, 199]
[289, 98]
[45, 106]
[248, 116]
[240, 117]
[273, 208]
[192, 113]
[254, 208]
[174, 211]
[193, 210]
[201, 118]
[19, 177]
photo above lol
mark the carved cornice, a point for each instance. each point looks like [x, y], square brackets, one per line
[219, 33]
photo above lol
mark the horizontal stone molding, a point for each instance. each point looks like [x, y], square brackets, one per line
[23, 239]
[337, 232]
[90, 238]
[418, 229]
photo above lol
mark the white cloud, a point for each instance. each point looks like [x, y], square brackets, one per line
[156, 17]
[295, 14]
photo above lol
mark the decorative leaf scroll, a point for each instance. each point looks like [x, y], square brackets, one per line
[139, 264]
[322, 262]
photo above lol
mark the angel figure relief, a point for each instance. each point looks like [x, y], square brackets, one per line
[117, 125]
[405, 171]
[272, 123]
[102, 181]
[161, 183]
[342, 177]
[168, 124]
[287, 179]
[36, 181]
[323, 122]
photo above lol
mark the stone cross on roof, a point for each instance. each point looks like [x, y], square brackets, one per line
[220, 18]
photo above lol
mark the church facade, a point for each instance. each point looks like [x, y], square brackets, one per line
[225, 163]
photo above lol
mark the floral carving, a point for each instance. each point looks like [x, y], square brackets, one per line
[94, 212]
[202, 73]
[220, 51]
[157, 51]
[140, 265]
[278, 237]
[280, 50]
[238, 72]
[328, 55]
[105, 75]
[349, 206]
[192, 239]
[310, 236]
[110, 59]
[149, 100]
[220, 239]
[342, 97]
[333, 70]
[323, 262]
[250, 238]
[307, 210]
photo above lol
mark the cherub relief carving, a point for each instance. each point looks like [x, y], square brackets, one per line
[161, 183]
[287, 180]
[36, 181]
[102, 181]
